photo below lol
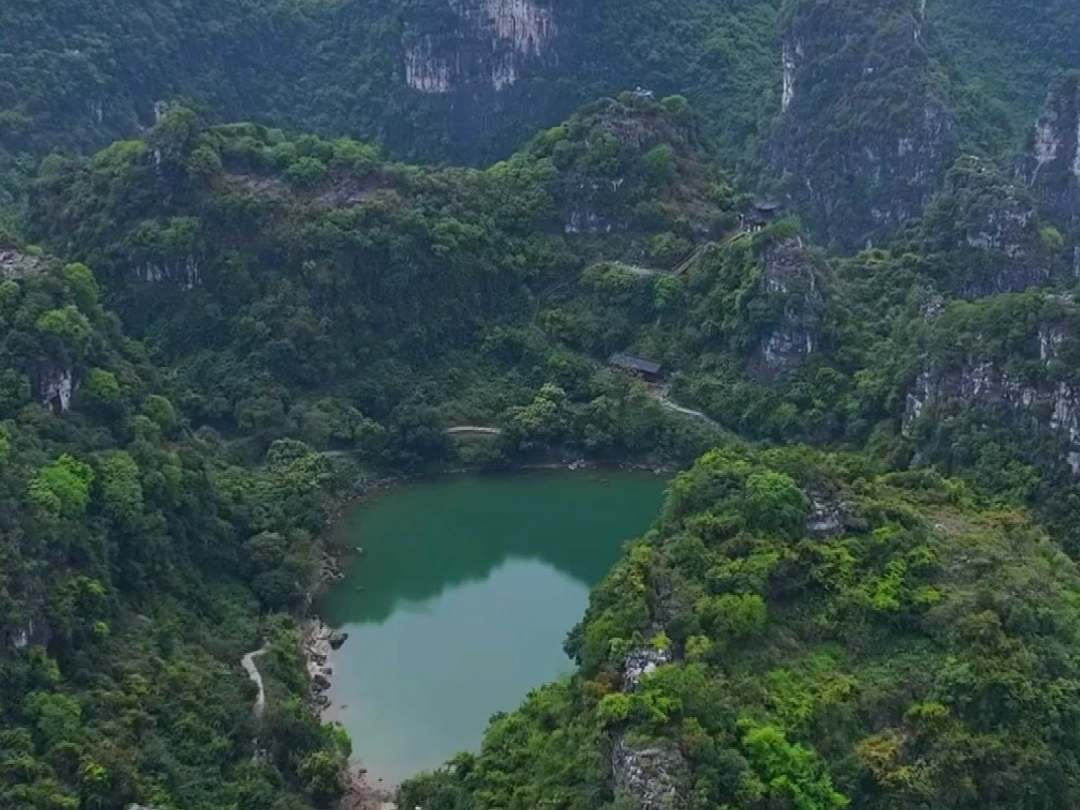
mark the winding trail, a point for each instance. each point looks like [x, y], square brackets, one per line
[248, 663]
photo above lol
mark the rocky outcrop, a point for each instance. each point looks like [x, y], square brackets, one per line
[985, 226]
[316, 647]
[1033, 393]
[1053, 165]
[646, 777]
[789, 281]
[57, 387]
[16, 264]
[828, 516]
[1054, 409]
[485, 71]
[33, 632]
[480, 41]
[864, 135]
[185, 273]
[642, 662]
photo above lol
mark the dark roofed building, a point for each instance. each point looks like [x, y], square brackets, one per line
[646, 369]
[761, 214]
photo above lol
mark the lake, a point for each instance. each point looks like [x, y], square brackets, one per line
[462, 599]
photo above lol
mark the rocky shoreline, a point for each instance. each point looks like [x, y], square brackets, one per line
[317, 639]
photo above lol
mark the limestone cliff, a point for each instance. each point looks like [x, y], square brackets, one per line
[1019, 381]
[485, 42]
[791, 287]
[1053, 165]
[864, 134]
[983, 234]
[485, 64]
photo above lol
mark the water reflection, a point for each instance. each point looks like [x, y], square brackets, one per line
[461, 602]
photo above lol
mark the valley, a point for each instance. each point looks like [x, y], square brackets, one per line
[818, 260]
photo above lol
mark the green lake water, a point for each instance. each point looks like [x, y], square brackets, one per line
[462, 599]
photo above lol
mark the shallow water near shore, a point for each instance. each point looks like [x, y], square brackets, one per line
[462, 599]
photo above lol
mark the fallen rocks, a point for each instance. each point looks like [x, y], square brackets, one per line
[330, 569]
[647, 778]
[315, 647]
[337, 639]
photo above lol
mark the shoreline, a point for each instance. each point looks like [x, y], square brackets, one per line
[316, 648]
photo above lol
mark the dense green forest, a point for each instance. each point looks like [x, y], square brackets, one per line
[138, 565]
[214, 333]
[473, 80]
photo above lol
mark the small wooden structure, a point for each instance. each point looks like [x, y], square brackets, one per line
[648, 370]
[761, 214]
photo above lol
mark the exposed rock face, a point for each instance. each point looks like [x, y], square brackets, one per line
[1053, 167]
[827, 518]
[861, 63]
[789, 280]
[500, 38]
[646, 777]
[987, 224]
[16, 264]
[57, 387]
[19, 636]
[484, 64]
[186, 273]
[1055, 409]
[1035, 394]
[642, 662]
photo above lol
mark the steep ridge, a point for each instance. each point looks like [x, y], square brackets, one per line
[854, 110]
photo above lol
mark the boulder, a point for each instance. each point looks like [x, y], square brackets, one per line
[337, 639]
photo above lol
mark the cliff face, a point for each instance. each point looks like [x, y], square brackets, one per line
[1017, 380]
[790, 284]
[984, 234]
[1053, 167]
[486, 66]
[863, 135]
[479, 44]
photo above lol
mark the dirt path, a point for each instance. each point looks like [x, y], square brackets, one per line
[248, 663]
[473, 430]
[661, 395]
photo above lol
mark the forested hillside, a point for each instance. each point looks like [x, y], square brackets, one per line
[138, 566]
[472, 80]
[800, 631]
[239, 279]
[308, 288]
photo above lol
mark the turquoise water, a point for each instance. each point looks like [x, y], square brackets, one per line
[461, 601]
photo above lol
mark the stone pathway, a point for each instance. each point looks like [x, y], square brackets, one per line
[248, 663]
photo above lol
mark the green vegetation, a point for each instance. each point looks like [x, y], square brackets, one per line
[77, 78]
[885, 657]
[364, 305]
[138, 566]
[305, 312]
[227, 328]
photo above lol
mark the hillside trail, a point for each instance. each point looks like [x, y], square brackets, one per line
[473, 430]
[663, 396]
[248, 663]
